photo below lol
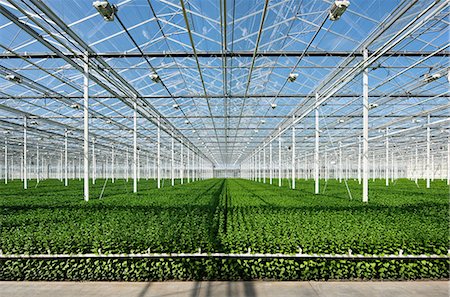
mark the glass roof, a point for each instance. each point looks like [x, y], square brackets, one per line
[223, 67]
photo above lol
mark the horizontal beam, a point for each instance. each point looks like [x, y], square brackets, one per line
[234, 96]
[217, 54]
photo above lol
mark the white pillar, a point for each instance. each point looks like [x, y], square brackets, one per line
[172, 168]
[270, 163]
[187, 165]
[158, 161]
[6, 161]
[181, 163]
[316, 150]
[25, 164]
[93, 161]
[365, 154]
[448, 161]
[113, 164]
[340, 162]
[86, 128]
[66, 177]
[127, 166]
[264, 164]
[293, 157]
[428, 153]
[135, 170]
[279, 161]
[37, 163]
[386, 171]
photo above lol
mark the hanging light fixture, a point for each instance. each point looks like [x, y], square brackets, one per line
[431, 77]
[176, 106]
[13, 78]
[373, 105]
[105, 9]
[337, 9]
[155, 77]
[273, 105]
[292, 77]
[75, 106]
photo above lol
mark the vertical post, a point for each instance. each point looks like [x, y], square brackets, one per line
[25, 165]
[293, 155]
[270, 164]
[448, 161]
[135, 173]
[279, 161]
[94, 169]
[340, 162]
[113, 164]
[428, 152]
[316, 151]
[181, 163]
[172, 168]
[158, 162]
[187, 165]
[37, 163]
[66, 177]
[264, 164]
[127, 166]
[386, 170]
[86, 128]
[416, 168]
[6, 161]
[359, 158]
[365, 154]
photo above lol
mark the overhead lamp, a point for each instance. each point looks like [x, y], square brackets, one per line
[292, 77]
[273, 105]
[341, 121]
[105, 9]
[176, 106]
[373, 105]
[33, 123]
[108, 121]
[431, 77]
[416, 120]
[155, 77]
[187, 122]
[75, 106]
[337, 9]
[256, 130]
[13, 78]
[263, 121]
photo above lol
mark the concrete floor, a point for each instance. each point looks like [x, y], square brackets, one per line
[228, 289]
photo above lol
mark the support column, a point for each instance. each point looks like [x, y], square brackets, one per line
[135, 173]
[187, 165]
[86, 128]
[270, 163]
[113, 164]
[264, 164]
[428, 152]
[316, 150]
[448, 161]
[94, 169]
[279, 161]
[25, 164]
[181, 163]
[386, 170]
[37, 163]
[6, 161]
[158, 162]
[172, 168]
[293, 156]
[66, 177]
[365, 154]
[340, 162]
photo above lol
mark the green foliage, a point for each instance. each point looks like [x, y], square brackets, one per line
[223, 216]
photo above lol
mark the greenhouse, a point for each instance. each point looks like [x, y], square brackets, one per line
[225, 140]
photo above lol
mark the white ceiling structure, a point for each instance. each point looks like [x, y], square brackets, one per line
[223, 67]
